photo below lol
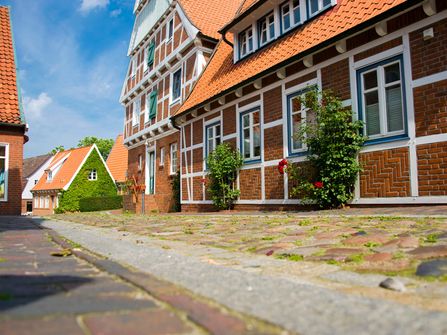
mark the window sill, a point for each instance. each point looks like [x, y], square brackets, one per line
[298, 154]
[253, 161]
[386, 139]
[175, 102]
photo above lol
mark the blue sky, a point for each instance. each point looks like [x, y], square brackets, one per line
[72, 62]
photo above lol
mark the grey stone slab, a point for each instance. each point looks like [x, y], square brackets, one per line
[435, 268]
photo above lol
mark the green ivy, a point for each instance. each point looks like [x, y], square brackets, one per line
[223, 165]
[81, 187]
[334, 141]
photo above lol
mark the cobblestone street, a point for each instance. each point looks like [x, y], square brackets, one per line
[44, 289]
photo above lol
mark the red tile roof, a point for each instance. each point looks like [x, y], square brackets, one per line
[222, 74]
[9, 98]
[74, 159]
[117, 160]
[210, 15]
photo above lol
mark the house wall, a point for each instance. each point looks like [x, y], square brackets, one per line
[14, 137]
[41, 206]
[31, 181]
[409, 170]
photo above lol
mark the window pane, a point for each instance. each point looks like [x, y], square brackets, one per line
[296, 11]
[210, 145]
[313, 6]
[217, 130]
[246, 120]
[296, 124]
[286, 17]
[326, 3]
[394, 108]
[2, 151]
[370, 80]
[257, 140]
[392, 73]
[296, 104]
[372, 117]
[2, 177]
[246, 148]
[210, 132]
[255, 117]
[218, 140]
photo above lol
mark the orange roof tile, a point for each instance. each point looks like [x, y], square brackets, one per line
[209, 16]
[117, 160]
[67, 170]
[9, 99]
[221, 74]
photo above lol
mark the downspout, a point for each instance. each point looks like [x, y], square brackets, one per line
[142, 203]
[224, 38]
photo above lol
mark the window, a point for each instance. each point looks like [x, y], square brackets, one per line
[3, 171]
[136, 112]
[246, 42]
[36, 202]
[29, 206]
[162, 156]
[41, 202]
[173, 158]
[176, 86]
[93, 175]
[170, 29]
[152, 106]
[317, 6]
[47, 201]
[36, 181]
[381, 103]
[251, 135]
[266, 29]
[297, 114]
[50, 176]
[213, 137]
[134, 66]
[140, 162]
[290, 14]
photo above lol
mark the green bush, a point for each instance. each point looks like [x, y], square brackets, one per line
[175, 184]
[100, 203]
[334, 141]
[223, 165]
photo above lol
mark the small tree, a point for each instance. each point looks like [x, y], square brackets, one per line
[333, 140]
[104, 144]
[223, 165]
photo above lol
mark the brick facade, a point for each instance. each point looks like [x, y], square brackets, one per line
[385, 174]
[15, 138]
[432, 169]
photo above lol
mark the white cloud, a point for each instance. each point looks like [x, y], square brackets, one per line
[116, 12]
[35, 107]
[88, 5]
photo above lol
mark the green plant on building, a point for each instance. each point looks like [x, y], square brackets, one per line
[84, 187]
[223, 164]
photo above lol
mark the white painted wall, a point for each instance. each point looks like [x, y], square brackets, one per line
[32, 180]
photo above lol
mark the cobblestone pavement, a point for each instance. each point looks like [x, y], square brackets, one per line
[307, 297]
[47, 289]
[360, 239]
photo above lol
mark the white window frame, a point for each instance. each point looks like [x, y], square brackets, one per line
[245, 34]
[162, 156]
[136, 111]
[173, 100]
[251, 127]
[213, 126]
[50, 176]
[134, 66]
[268, 23]
[47, 201]
[321, 7]
[145, 54]
[291, 114]
[170, 30]
[41, 202]
[140, 162]
[6, 173]
[36, 201]
[173, 156]
[93, 175]
[291, 14]
[381, 89]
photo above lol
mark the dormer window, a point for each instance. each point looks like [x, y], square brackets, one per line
[317, 6]
[170, 29]
[93, 175]
[266, 27]
[290, 14]
[246, 42]
[50, 176]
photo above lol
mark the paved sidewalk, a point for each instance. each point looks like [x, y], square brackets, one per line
[302, 297]
[44, 294]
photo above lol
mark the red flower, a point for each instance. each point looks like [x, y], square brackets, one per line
[203, 180]
[281, 169]
[281, 165]
[318, 184]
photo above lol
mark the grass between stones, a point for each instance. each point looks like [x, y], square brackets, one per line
[3, 260]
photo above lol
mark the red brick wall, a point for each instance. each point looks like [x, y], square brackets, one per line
[432, 169]
[274, 183]
[301, 80]
[133, 163]
[429, 57]
[250, 184]
[430, 107]
[13, 136]
[385, 174]
[335, 77]
[378, 49]
[229, 120]
[273, 105]
[273, 143]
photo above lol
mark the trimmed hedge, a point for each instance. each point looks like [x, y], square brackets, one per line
[94, 204]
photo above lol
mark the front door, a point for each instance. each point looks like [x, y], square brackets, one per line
[151, 172]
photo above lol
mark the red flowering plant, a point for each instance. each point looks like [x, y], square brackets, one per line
[333, 141]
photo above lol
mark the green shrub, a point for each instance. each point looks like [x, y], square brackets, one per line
[334, 141]
[175, 184]
[223, 165]
[100, 203]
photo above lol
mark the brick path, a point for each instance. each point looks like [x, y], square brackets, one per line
[83, 294]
